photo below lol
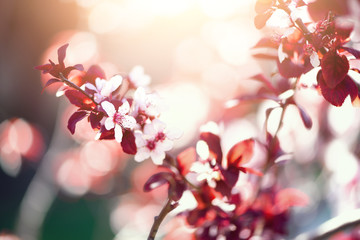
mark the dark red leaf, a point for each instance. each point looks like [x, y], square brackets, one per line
[334, 68]
[45, 68]
[106, 134]
[128, 143]
[213, 142]
[79, 67]
[79, 99]
[261, 19]
[289, 69]
[51, 81]
[354, 52]
[274, 148]
[185, 159]
[252, 171]
[176, 186]
[343, 28]
[158, 180]
[240, 153]
[94, 72]
[319, 9]
[75, 118]
[230, 176]
[95, 118]
[62, 53]
[305, 117]
[337, 95]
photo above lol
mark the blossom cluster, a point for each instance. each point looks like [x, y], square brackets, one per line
[304, 46]
[121, 108]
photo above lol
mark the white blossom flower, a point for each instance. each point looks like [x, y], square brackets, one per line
[147, 104]
[205, 172]
[104, 88]
[138, 78]
[154, 141]
[119, 119]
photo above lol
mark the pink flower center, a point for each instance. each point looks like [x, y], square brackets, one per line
[151, 144]
[118, 118]
[160, 136]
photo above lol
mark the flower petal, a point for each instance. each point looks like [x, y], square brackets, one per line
[157, 157]
[139, 140]
[128, 122]
[124, 108]
[90, 87]
[164, 145]
[118, 133]
[159, 126]
[173, 134]
[149, 129]
[100, 83]
[109, 108]
[109, 123]
[142, 154]
[115, 82]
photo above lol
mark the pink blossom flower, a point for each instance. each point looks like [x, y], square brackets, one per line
[147, 105]
[138, 78]
[205, 171]
[154, 141]
[118, 120]
[104, 88]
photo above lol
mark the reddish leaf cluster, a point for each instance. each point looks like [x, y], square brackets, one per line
[303, 50]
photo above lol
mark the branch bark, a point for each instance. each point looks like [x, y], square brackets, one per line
[333, 226]
[158, 219]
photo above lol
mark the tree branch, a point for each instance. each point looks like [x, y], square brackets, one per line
[158, 219]
[72, 85]
[333, 226]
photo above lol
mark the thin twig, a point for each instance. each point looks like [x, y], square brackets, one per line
[76, 87]
[332, 226]
[158, 219]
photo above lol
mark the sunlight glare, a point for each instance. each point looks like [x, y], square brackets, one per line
[343, 119]
[189, 108]
[341, 162]
[219, 80]
[72, 177]
[83, 48]
[168, 8]
[192, 55]
[97, 157]
[232, 39]
[222, 8]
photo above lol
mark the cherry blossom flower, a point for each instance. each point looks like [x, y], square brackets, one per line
[154, 141]
[118, 120]
[138, 78]
[206, 172]
[104, 88]
[146, 106]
